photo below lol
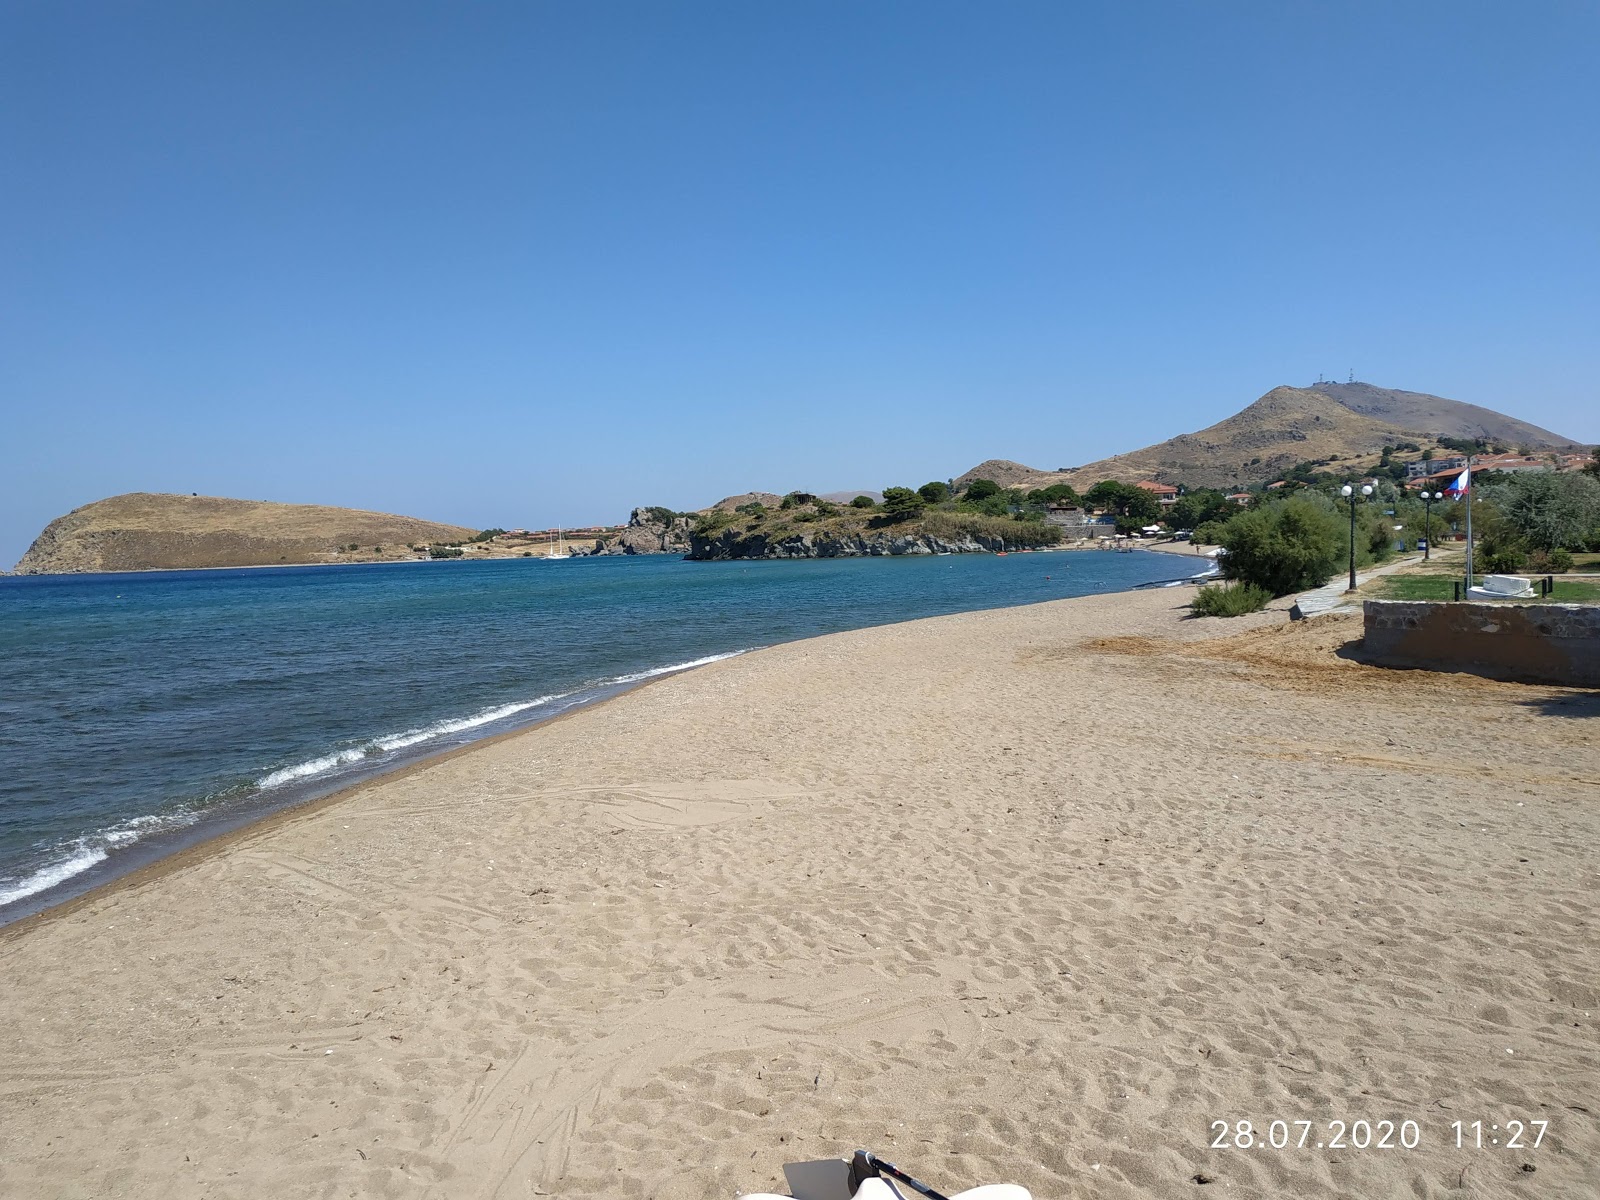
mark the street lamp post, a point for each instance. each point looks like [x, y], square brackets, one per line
[1427, 522]
[1349, 493]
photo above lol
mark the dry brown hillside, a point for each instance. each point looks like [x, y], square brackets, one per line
[143, 531]
[1286, 426]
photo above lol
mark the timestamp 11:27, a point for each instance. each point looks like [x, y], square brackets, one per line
[1471, 1135]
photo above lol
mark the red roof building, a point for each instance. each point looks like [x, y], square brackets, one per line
[1163, 492]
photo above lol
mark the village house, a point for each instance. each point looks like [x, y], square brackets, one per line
[1415, 470]
[1164, 492]
[1078, 524]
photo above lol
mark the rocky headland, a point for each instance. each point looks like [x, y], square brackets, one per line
[150, 531]
[648, 531]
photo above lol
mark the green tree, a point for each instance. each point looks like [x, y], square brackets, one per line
[1592, 467]
[1546, 510]
[1285, 547]
[934, 492]
[901, 504]
[981, 489]
[1194, 509]
[863, 502]
[1056, 493]
[1132, 506]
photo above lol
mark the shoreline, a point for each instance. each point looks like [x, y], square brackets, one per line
[892, 887]
[222, 841]
[217, 837]
[221, 826]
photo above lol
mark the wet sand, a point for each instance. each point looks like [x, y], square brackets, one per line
[1034, 894]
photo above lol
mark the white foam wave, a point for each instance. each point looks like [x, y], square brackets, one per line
[78, 856]
[683, 666]
[312, 766]
[57, 872]
[411, 737]
[389, 743]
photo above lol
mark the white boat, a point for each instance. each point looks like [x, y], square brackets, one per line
[560, 550]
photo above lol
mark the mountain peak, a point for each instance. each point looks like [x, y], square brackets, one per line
[1285, 426]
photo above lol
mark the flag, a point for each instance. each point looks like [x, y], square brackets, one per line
[1461, 485]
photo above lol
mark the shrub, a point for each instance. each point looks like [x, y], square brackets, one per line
[445, 552]
[711, 523]
[934, 492]
[1560, 560]
[957, 526]
[1501, 558]
[1209, 533]
[1286, 547]
[487, 535]
[754, 509]
[981, 489]
[863, 502]
[1219, 600]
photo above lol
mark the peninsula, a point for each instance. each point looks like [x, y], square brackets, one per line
[149, 531]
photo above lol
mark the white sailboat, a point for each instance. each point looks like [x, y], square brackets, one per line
[559, 550]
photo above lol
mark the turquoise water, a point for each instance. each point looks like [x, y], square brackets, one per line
[139, 713]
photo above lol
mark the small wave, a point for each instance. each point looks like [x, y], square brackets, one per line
[412, 737]
[389, 743]
[76, 857]
[312, 766]
[683, 666]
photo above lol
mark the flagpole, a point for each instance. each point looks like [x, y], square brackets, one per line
[1469, 523]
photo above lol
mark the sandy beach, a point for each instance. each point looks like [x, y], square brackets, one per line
[1034, 894]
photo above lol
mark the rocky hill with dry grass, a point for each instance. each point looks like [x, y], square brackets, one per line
[1287, 426]
[144, 531]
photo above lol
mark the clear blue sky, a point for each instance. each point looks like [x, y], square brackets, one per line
[527, 263]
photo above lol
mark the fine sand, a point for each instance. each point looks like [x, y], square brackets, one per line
[1029, 895]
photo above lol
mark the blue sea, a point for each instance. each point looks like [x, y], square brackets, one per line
[141, 713]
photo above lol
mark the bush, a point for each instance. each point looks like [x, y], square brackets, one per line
[1021, 535]
[445, 552]
[1209, 533]
[934, 492]
[1286, 547]
[1218, 600]
[1501, 558]
[711, 523]
[863, 502]
[487, 535]
[1548, 562]
[981, 489]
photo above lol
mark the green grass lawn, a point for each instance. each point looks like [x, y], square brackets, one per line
[1440, 587]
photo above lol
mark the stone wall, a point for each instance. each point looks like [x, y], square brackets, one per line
[1532, 643]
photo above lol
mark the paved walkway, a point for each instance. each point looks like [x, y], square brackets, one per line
[1335, 598]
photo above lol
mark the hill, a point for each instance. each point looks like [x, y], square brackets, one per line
[1436, 416]
[144, 531]
[1284, 427]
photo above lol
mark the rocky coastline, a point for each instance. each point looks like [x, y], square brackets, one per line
[734, 543]
[645, 533]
